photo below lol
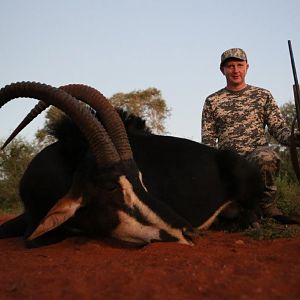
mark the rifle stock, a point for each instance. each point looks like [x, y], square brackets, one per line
[297, 103]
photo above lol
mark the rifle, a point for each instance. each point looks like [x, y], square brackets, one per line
[293, 149]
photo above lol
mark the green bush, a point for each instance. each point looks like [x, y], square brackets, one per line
[13, 162]
[288, 201]
[288, 196]
[270, 229]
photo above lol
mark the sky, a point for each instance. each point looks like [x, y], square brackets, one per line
[126, 45]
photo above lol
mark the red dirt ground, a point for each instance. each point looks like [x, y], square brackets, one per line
[219, 266]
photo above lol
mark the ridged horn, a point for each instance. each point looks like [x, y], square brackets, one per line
[108, 116]
[97, 137]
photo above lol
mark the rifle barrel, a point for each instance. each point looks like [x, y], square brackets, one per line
[293, 63]
[296, 85]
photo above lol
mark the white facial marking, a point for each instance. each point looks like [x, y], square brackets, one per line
[131, 200]
[130, 230]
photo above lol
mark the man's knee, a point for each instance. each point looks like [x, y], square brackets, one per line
[266, 159]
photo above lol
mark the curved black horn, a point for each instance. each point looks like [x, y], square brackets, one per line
[100, 143]
[109, 117]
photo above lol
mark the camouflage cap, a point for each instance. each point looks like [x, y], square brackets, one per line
[233, 53]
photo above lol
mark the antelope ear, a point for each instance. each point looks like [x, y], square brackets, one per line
[63, 210]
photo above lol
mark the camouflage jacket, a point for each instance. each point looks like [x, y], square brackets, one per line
[237, 120]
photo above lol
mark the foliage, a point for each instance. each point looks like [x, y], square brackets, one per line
[270, 229]
[13, 162]
[288, 110]
[287, 192]
[52, 115]
[147, 104]
[286, 170]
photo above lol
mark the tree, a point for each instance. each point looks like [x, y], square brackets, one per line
[52, 115]
[13, 162]
[147, 104]
[288, 111]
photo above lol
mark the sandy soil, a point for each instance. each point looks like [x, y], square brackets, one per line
[219, 266]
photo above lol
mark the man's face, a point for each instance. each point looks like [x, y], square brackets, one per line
[235, 71]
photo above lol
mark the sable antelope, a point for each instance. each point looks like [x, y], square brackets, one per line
[101, 195]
